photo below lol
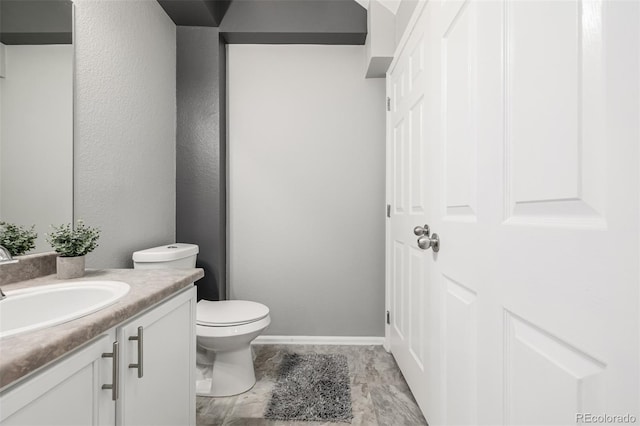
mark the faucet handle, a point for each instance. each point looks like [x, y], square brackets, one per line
[5, 256]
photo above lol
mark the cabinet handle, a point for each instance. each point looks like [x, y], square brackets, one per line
[139, 338]
[115, 372]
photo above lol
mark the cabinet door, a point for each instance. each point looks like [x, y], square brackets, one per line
[69, 392]
[165, 394]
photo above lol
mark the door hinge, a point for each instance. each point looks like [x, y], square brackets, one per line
[388, 103]
[388, 318]
[388, 210]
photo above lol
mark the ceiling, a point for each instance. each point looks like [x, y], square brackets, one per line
[196, 13]
[275, 21]
[239, 21]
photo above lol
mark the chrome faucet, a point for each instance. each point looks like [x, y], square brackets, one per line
[5, 256]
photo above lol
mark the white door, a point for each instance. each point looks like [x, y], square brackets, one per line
[409, 287]
[531, 181]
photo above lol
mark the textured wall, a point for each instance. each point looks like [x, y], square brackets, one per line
[201, 153]
[124, 157]
[306, 188]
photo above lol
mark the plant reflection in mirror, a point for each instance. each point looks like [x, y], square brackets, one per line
[17, 239]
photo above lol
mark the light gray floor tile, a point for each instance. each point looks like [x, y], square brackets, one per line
[395, 407]
[379, 394]
[213, 411]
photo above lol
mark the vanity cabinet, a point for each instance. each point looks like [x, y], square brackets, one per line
[68, 392]
[155, 376]
[158, 365]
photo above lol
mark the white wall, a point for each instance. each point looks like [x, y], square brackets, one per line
[2, 60]
[381, 40]
[36, 147]
[403, 16]
[306, 187]
[125, 126]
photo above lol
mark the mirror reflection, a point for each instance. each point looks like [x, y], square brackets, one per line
[36, 114]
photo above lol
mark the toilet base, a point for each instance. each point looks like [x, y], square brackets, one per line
[232, 373]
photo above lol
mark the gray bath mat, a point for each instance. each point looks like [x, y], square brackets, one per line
[311, 387]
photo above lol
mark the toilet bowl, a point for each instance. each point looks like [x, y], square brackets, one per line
[224, 329]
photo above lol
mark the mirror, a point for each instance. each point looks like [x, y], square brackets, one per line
[36, 114]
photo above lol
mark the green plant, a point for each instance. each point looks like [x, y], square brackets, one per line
[16, 239]
[72, 242]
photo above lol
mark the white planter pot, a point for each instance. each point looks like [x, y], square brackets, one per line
[69, 267]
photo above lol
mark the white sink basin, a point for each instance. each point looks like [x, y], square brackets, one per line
[45, 306]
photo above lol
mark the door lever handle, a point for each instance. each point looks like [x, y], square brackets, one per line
[426, 242]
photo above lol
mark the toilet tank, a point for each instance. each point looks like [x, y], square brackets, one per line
[172, 256]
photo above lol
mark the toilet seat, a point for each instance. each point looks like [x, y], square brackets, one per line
[229, 313]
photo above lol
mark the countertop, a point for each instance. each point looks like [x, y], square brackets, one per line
[24, 353]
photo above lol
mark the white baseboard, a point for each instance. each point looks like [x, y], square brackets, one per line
[319, 340]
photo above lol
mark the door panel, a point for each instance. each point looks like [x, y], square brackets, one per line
[398, 168]
[554, 92]
[459, 136]
[399, 290]
[527, 162]
[416, 307]
[408, 331]
[541, 74]
[416, 171]
[460, 341]
[536, 360]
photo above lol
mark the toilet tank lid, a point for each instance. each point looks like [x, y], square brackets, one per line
[166, 253]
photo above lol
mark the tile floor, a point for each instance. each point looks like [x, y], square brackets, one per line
[379, 394]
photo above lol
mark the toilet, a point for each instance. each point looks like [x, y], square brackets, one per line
[224, 329]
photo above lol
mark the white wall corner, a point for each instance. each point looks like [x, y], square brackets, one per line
[380, 43]
[391, 5]
[363, 3]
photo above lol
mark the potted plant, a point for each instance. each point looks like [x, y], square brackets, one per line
[72, 244]
[16, 239]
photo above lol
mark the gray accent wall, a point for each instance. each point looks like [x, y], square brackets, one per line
[201, 198]
[201, 152]
[275, 21]
[125, 126]
[203, 13]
